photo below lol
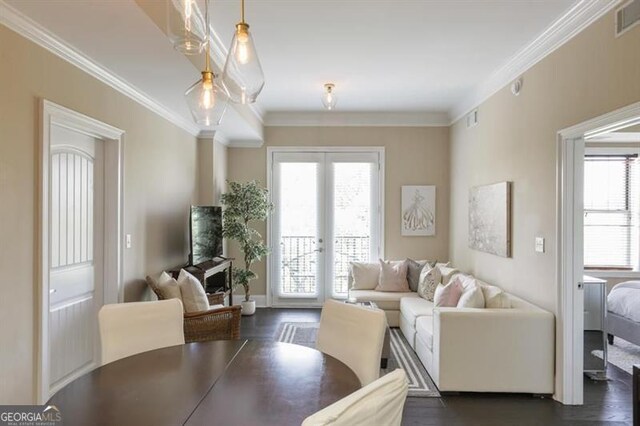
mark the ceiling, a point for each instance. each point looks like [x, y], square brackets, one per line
[394, 57]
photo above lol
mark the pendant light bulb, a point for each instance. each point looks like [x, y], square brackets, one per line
[329, 98]
[243, 50]
[242, 74]
[207, 99]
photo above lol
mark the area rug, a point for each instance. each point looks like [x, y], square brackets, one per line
[402, 356]
[622, 354]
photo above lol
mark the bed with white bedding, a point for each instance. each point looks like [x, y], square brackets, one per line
[623, 312]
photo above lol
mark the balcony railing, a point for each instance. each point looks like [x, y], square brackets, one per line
[299, 269]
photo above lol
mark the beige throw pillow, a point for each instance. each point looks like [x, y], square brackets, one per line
[194, 298]
[393, 277]
[168, 287]
[428, 282]
[363, 275]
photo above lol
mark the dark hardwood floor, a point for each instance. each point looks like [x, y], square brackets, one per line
[606, 402]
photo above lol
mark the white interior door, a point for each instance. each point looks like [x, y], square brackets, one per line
[327, 214]
[76, 235]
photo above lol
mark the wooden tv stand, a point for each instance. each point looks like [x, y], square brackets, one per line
[208, 275]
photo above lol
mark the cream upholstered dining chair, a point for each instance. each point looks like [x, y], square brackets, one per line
[130, 328]
[354, 335]
[379, 403]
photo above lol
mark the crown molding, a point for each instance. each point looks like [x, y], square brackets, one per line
[26, 27]
[563, 29]
[357, 119]
[245, 144]
[220, 138]
[217, 136]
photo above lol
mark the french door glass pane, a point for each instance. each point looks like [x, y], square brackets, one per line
[351, 219]
[298, 228]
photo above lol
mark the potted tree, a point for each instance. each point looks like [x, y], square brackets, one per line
[243, 204]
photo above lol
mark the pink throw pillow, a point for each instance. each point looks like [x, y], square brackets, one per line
[393, 277]
[448, 296]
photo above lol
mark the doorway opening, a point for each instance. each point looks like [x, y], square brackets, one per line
[328, 212]
[597, 238]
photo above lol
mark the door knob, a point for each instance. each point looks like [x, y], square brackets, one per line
[52, 290]
[320, 250]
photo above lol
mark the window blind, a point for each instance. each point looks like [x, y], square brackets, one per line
[611, 237]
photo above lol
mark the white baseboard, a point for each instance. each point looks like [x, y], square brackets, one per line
[261, 300]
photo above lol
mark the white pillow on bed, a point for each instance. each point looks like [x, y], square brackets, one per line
[624, 300]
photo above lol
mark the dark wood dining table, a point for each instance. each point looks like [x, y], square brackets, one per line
[231, 382]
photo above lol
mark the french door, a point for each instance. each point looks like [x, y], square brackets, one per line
[327, 214]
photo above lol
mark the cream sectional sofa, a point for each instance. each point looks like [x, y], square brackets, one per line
[389, 302]
[475, 350]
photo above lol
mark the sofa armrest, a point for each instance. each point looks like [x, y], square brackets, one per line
[504, 350]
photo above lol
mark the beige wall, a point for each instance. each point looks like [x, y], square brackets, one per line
[515, 141]
[413, 156]
[160, 183]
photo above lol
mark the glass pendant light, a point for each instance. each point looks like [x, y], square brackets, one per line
[206, 98]
[329, 98]
[242, 74]
[185, 26]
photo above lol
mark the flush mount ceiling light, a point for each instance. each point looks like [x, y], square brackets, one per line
[207, 99]
[329, 98]
[242, 74]
[185, 26]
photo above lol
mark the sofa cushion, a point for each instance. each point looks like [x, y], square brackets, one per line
[412, 308]
[414, 268]
[363, 275]
[393, 277]
[385, 300]
[429, 280]
[472, 296]
[494, 297]
[447, 273]
[424, 330]
[447, 296]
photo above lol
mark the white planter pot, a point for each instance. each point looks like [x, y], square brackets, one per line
[248, 308]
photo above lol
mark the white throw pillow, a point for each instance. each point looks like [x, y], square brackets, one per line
[194, 298]
[168, 287]
[494, 297]
[447, 296]
[447, 273]
[393, 277]
[472, 296]
[428, 282]
[364, 275]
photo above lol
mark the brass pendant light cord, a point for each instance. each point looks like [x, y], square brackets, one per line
[207, 65]
[242, 11]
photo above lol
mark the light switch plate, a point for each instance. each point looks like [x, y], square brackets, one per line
[539, 245]
[128, 241]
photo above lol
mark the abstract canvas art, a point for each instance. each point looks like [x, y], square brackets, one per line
[490, 218]
[418, 210]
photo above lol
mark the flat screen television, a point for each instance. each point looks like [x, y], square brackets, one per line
[206, 233]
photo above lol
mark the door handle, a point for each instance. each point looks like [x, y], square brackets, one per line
[52, 290]
[320, 250]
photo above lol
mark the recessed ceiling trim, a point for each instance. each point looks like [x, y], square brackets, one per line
[33, 31]
[356, 119]
[563, 29]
